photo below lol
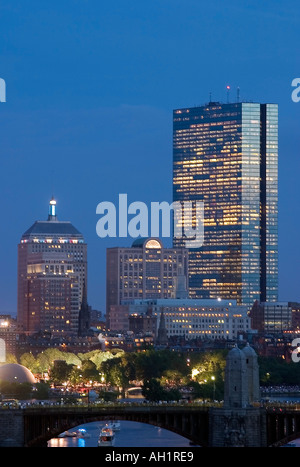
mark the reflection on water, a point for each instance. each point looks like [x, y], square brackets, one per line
[67, 443]
[132, 434]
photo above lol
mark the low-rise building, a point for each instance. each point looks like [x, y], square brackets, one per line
[196, 318]
[271, 317]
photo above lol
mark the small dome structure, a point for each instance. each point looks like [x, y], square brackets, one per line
[249, 351]
[236, 356]
[15, 373]
[144, 242]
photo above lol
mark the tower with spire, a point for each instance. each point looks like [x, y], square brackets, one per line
[84, 318]
[162, 334]
[52, 270]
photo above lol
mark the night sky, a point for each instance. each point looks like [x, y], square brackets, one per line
[91, 87]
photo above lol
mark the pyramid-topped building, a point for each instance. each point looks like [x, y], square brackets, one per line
[52, 270]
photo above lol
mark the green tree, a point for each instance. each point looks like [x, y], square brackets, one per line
[119, 371]
[89, 371]
[207, 365]
[60, 372]
[19, 391]
[11, 358]
[172, 378]
[41, 391]
[152, 364]
[75, 376]
[29, 361]
[153, 391]
[173, 395]
[47, 358]
[277, 371]
[97, 356]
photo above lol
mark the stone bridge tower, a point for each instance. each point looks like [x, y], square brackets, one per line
[240, 422]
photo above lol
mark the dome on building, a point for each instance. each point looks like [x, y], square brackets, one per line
[235, 354]
[15, 373]
[144, 242]
[249, 351]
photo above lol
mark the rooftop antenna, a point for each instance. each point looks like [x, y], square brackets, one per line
[238, 94]
[228, 89]
[210, 97]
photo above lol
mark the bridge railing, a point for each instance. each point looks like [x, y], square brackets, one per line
[108, 405]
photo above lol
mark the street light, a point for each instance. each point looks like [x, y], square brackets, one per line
[214, 380]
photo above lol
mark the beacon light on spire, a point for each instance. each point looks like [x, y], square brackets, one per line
[52, 210]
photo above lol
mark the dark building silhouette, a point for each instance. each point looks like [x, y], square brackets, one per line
[162, 333]
[142, 323]
[84, 319]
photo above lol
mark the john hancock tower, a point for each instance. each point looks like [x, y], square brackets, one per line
[226, 155]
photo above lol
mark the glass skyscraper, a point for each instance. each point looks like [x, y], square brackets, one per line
[226, 156]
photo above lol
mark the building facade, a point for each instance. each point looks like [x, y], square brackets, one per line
[144, 270]
[142, 324]
[226, 156]
[275, 317]
[295, 307]
[8, 336]
[196, 318]
[52, 272]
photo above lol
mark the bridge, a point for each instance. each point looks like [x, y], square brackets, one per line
[282, 425]
[34, 426]
[37, 425]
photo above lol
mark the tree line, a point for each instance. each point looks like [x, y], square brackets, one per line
[164, 374]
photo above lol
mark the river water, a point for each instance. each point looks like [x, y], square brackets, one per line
[131, 434]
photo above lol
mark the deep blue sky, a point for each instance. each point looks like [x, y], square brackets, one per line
[91, 86]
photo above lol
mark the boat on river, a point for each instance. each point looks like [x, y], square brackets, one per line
[115, 426]
[68, 434]
[107, 437]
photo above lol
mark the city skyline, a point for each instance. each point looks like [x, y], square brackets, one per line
[88, 111]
